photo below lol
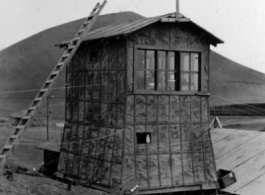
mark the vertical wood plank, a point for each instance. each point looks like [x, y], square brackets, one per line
[185, 108]
[163, 138]
[165, 173]
[177, 169]
[153, 170]
[205, 109]
[140, 108]
[141, 170]
[195, 109]
[151, 104]
[163, 108]
[174, 109]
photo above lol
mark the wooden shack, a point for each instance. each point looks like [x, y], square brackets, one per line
[137, 108]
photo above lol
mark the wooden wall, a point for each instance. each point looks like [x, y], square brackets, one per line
[180, 152]
[95, 109]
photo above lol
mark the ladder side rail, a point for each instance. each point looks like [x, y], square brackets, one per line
[13, 140]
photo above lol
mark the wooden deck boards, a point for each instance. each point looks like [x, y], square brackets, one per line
[244, 153]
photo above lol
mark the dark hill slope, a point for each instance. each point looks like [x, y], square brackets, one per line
[27, 64]
[233, 83]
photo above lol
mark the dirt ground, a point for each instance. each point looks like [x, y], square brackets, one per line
[29, 185]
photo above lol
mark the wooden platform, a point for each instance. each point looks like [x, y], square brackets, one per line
[243, 152]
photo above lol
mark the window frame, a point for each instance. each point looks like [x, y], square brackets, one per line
[177, 88]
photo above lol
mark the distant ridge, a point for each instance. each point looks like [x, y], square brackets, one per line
[26, 65]
[233, 83]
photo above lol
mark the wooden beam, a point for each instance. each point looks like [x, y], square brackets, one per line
[175, 20]
[177, 10]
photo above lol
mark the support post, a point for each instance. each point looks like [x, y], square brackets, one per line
[47, 115]
[177, 10]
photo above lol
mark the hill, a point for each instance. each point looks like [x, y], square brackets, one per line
[233, 83]
[26, 65]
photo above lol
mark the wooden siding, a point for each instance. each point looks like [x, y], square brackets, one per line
[180, 36]
[92, 143]
[180, 152]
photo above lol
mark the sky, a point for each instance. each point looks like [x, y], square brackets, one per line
[239, 23]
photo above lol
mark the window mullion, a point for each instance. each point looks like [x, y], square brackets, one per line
[156, 69]
[166, 71]
[189, 71]
[145, 83]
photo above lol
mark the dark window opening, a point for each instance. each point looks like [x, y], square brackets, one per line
[143, 138]
[159, 70]
[93, 56]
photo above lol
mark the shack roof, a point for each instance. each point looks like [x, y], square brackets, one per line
[126, 28]
[243, 152]
[53, 146]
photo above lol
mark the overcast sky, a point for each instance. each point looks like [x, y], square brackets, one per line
[240, 23]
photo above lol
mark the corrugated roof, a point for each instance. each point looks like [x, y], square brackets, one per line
[129, 27]
[243, 152]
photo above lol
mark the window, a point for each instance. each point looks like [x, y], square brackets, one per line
[143, 138]
[189, 71]
[167, 70]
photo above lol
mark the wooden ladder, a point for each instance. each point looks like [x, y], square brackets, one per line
[44, 91]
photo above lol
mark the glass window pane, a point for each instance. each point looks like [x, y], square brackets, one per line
[171, 82]
[140, 80]
[140, 59]
[185, 61]
[150, 59]
[162, 60]
[195, 62]
[185, 82]
[150, 80]
[162, 80]
[171, 60]
[194, 82]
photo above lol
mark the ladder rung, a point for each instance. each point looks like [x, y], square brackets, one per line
[80, 31]
[27, 117]
[38, 98]
[43, 89]
[55, 73]
[14, 137]
[2, 156]
[48, 81]
[20, 126]
[60, 64]
[66, 55]
[8, 147]
[86, 22]
[33, 108]
[97, 6]
[58, 67]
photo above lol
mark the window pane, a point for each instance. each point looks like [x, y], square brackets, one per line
[171, 83]
[194, 82]
[162, 80]
[162, 60]
[140, 59]
[150, 59]
[140, 80]
[185, 82]
[185, 61]
[171, 60]
[150, 80]
[194, 62]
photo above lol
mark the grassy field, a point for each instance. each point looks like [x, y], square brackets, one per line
[255, 123]
[26, 154]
